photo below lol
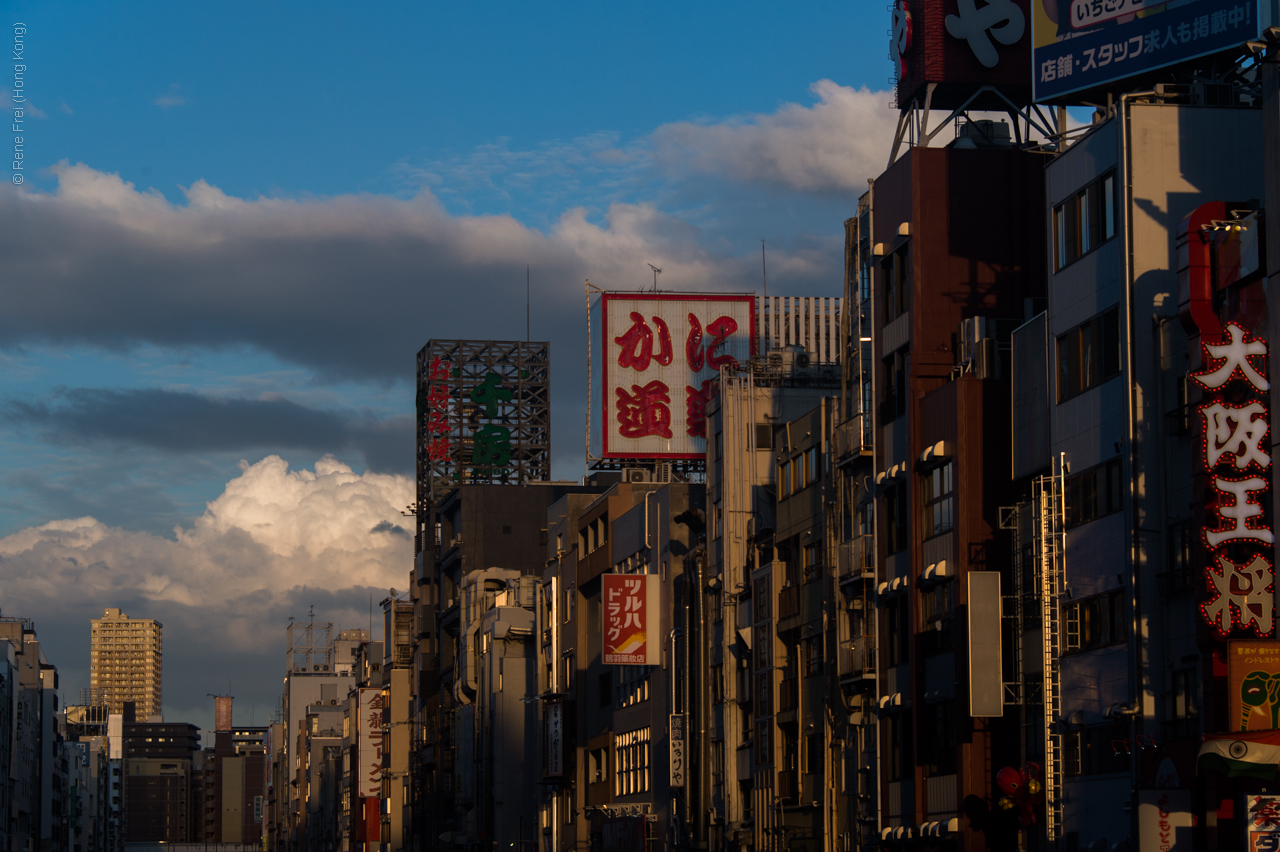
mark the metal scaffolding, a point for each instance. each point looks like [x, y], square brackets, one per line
[1050, 499]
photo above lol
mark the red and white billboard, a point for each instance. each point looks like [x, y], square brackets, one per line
[661, 354]
[370, 753]
[632, 622]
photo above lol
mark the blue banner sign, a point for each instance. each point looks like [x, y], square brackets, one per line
[1080, 44]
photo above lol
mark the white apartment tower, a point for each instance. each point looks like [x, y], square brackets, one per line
[124, 662]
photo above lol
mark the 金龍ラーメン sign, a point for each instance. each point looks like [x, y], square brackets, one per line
[661, 356]
[631, 619]
[370, 753]
[1237, 462]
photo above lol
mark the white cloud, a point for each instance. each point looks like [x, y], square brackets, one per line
[270, 531]
[272, 544]
[171, 98]
[834, 145]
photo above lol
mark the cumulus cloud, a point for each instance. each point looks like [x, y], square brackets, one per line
[184, 422]
[273, 543]
[833, 146]
[171, 98]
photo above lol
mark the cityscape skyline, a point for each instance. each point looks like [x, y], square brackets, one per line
[140, 424]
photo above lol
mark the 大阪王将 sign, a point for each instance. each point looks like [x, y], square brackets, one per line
[1241, 581]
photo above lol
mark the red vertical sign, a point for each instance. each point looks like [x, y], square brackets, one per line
[631, 619]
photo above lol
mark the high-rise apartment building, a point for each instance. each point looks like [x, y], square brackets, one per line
[124, 661]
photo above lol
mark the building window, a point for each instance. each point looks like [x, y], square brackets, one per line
[938, 737]
[898, 624]
[896, 518]
[1084, 221]
[938, 504]
[897, 367]
[631, 687]
[895, 272]
[1094, 493]
[594, 535]
[1089, 354]
[810, 564]
[764, 741]
[604, 690]
[811, 653]
[899, 735]
[631, 762]
[1099, 749]
[1183, 709]
[1096, 622]
[596, 766]
[1180, 574]
[939, 603]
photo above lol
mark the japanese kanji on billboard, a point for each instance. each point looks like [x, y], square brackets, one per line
[661, 355]
[370, 754]
[1080, 44]
[1237, 461]
[631, 619]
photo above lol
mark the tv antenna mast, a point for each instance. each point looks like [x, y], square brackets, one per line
[656, 273]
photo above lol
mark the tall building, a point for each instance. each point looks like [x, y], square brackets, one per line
[124, 661]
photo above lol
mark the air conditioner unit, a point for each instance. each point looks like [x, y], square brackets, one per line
[636, 474]
[788, 358]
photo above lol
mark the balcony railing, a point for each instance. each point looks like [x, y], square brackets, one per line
[788, 694]
[856, 559]
[789, 602]
[789, 784]
[858, 658]
[852, 438]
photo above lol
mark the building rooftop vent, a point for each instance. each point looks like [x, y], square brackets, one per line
[982, 133]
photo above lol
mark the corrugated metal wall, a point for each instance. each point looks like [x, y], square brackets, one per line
[809, 321]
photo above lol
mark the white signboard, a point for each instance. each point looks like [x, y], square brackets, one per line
[1164, 820]
[370, 755]
[661, 354]
[677, 749]
[555, 738]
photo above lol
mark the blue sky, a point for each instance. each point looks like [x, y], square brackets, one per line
[241, 221]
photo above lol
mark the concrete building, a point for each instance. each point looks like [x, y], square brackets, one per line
[956, 263]
[157, 768]
[396, 679]
[319, 673]
[1138, 663]
[736, 764]
[125, 657]
[318, 755]
[229, 780]
[624, 784]
[34, 745]
[473, 527]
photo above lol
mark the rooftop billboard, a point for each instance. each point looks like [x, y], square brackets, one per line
[1080, 44]
[661, 355]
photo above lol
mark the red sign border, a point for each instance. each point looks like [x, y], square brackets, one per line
[605, 298]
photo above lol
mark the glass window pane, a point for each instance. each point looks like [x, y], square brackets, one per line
[1108, 207]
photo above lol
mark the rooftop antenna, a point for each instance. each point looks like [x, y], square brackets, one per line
[526, 305]
[764, 270]
[656, 273]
